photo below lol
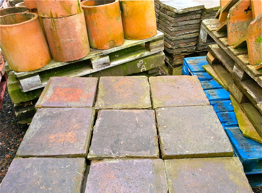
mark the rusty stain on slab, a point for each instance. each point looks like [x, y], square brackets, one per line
[194, 131]
[42, 175]
[143, 175]
[170, 91]
[123, 92]
[214, 175]
[124, 133]
[68, 92]
[58, 132]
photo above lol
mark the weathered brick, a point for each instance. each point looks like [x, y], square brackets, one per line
[44, 175]
[58, 132]
[68, 92]
[123, 92]
[170, 91]
[142, 175]
[194, 131]
[214, 175]
[124, 133]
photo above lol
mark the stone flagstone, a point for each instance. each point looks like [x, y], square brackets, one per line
[58, 132]
[194, 131]
[68, 92]
[124, 133]
[44, 175]
[123, 92]
[141, 175]
[170, 91]
[214, 175]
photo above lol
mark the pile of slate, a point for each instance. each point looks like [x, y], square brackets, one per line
[180, 22]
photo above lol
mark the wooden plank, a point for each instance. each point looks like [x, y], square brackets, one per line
[229, 83]
[245, 125]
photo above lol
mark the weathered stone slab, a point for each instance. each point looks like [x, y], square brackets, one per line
[170, 91]
[181, 6]
[58, 132]
[189, 132]
[124, 133]
[123, 92]
[44, 175]
[214, 175]
[68, 92]
[182, 45]
[141, 175]
[164, 17]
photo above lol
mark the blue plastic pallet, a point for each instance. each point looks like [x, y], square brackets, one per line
[202, 76]
[185, 70]
[222, 106]
[210, 84]
[248, 151]
[227, 119]
[217, 94]
[194, 64]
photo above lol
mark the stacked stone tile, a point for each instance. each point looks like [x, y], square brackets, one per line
[180, 22]
[127, 128]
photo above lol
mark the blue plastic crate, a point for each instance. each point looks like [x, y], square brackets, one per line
[202, 76]
[248, 151]
[222, 106]
[210, 84]
[185, 70]
[195, 64]
[227, 118]
[217, 94]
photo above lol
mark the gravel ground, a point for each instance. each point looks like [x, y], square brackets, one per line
[11, 135]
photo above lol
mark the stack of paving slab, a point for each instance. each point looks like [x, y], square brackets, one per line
[125, 134]
[133, 57]
[180, 22]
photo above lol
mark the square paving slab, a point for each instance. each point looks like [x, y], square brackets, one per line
[58, 132]
[206, 175]
[124, 133]
[68, 92]
[142, 175]
[44, 175]
[172, 91]
[188, 132]
[123, 92]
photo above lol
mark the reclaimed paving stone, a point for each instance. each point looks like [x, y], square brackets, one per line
[44, 175]
[214, 175]
[124, 133]
[170, 91]
[142, 175]
[194, 131]
[123, 92]
[58, 132]
[68, 92]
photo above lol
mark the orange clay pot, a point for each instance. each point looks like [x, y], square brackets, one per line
[104, 24]
[67, 37]
[30, 4]
[23, 42]
[139, 19]
[12, 10]
[58, 8]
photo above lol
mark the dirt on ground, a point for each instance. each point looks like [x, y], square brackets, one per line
[12, 133]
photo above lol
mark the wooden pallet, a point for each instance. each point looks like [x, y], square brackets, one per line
[95, 61]
[239, 56]
[241, 85]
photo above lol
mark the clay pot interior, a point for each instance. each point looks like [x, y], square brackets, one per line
[13, 10]
[97, 2]
[13, 19]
